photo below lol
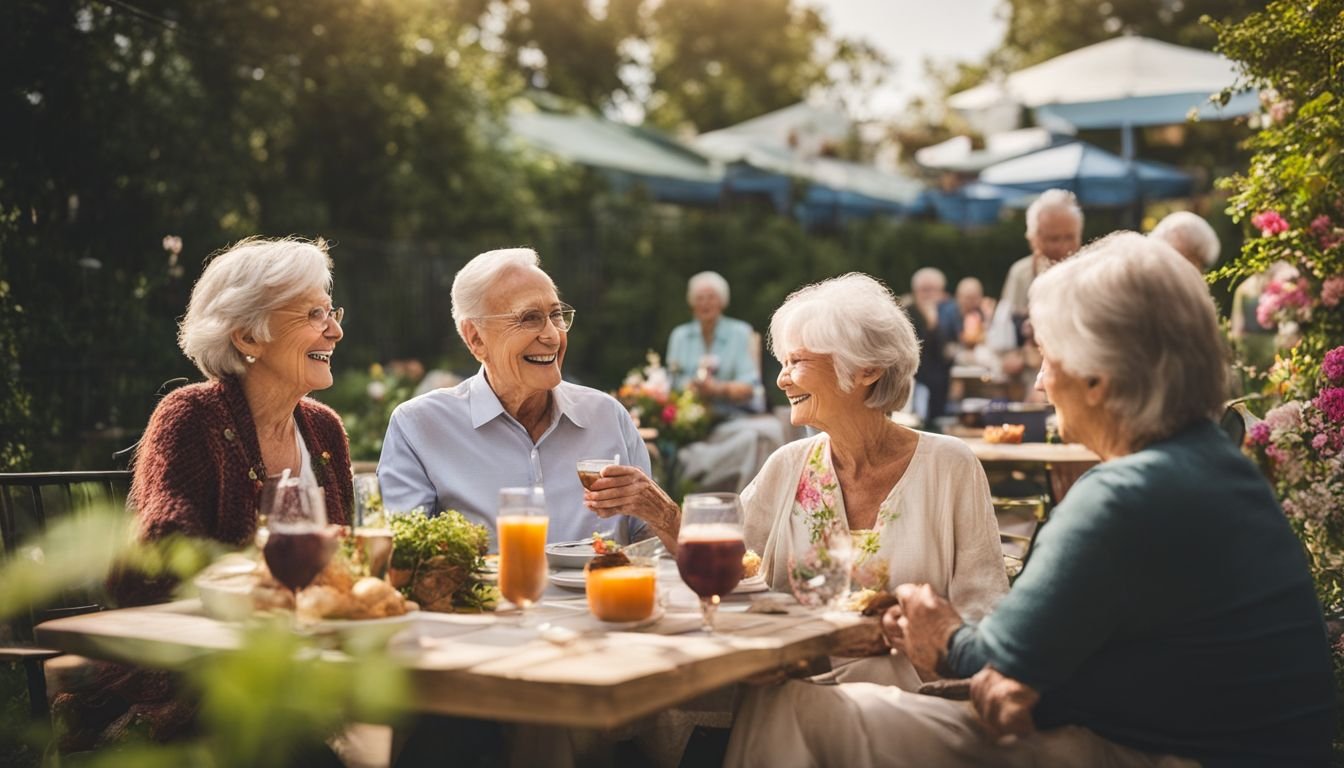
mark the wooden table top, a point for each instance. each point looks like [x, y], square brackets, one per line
[1045, 453]
[493, 667]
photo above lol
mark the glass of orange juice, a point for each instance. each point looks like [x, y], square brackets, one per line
[622, 593]
[521, 524]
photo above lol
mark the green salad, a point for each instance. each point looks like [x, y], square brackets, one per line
[436, 561]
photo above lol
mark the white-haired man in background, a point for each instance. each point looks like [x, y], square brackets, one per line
[1191, 236]
[1055, 232]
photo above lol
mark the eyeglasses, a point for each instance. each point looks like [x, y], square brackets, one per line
[533, 320]
[320, 318]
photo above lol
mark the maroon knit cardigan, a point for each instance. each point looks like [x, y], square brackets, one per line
[198, 472]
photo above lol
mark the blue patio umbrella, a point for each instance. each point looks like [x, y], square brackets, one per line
[1096, 176]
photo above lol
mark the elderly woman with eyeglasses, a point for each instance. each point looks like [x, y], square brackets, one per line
[261, 327]
[517, 423]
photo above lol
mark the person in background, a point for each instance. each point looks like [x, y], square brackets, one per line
[712, 353]
[965, 321]
[1055, 232]
[517, 422]
[1191, 237]
[719, 358]
[928, 296]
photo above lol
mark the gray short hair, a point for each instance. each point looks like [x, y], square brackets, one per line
[239, 289]
[707, 279]
[1127, 308]
[855, 319]
[1050, 199]
[1191, 236]
[928, 273]
[473, 281]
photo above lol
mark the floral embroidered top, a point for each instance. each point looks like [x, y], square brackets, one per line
[936, 525]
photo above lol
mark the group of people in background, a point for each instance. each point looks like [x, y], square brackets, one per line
[996, 338]
[1132, 637]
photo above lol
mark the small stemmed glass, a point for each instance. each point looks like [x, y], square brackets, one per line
[710, 549]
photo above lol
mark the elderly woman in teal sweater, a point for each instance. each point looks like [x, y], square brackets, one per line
[1166, 616]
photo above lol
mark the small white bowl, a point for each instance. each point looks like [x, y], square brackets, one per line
[570, 554]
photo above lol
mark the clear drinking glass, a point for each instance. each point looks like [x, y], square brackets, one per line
[521, 525]
[710, 549]
[298, 544]
[591, 469]
[373, 537]
[820, 576]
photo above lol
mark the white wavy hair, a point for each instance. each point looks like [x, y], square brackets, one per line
[1190, 235]
[1129, 309]
[855, 319]
[1062, 199]
[472, 283]
[711, 280]
[239, 289]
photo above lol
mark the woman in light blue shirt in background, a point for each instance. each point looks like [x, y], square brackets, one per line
[712, 354]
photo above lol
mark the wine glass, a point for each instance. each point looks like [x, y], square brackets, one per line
[373, 537]
[521, 523]
[298, 544]
[710, 549]
[820, 576]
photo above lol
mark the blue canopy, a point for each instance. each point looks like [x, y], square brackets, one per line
[1096, 176]
[976, 204]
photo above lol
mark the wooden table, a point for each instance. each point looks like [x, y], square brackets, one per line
[491, 667]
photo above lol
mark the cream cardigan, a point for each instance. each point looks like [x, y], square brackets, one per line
[943, 531]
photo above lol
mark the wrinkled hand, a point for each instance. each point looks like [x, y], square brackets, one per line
[920, 626]
[863, 639]
[626, 490]
[1003, 704]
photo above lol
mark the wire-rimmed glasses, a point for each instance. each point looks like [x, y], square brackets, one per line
[321, 317]
[533, 320]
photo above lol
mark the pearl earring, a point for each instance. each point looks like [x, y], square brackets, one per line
[250, 358]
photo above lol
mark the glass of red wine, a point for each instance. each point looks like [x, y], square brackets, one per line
[298, 544]
[710, 549]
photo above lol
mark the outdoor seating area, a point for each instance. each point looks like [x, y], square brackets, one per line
[672, 383]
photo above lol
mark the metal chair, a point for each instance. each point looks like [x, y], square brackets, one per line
[28, 502]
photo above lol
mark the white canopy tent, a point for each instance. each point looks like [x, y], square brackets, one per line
[1119, 83]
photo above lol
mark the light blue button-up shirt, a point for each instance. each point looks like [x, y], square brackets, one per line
[455, 448]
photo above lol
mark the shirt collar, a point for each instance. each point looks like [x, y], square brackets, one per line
[485, 405]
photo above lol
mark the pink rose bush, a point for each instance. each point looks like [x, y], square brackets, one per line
[1300, 444]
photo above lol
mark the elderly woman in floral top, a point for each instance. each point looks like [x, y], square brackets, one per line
[916, 505]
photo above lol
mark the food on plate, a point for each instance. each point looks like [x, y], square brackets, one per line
[437, 561]
[603, 545]
[751, 564]
[619, 590]
[1004, 433]
[367, 598]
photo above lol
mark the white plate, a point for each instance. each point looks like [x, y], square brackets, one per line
[570, 554]
[366, 633]
[753, 584]
[570, 578]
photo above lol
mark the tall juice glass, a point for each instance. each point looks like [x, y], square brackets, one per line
[710, 549]
[521, 524]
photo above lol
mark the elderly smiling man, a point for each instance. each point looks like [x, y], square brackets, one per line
[516, 423]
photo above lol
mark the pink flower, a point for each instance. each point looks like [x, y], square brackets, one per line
[808, 496]
[1326, 234]
[669, 413]
[1332, 291]
[1270, 223]
[1333, 365]
[1331, 403]
[1320, 441]
[1259, 434]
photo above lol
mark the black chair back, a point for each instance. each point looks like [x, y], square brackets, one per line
[29, 502]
